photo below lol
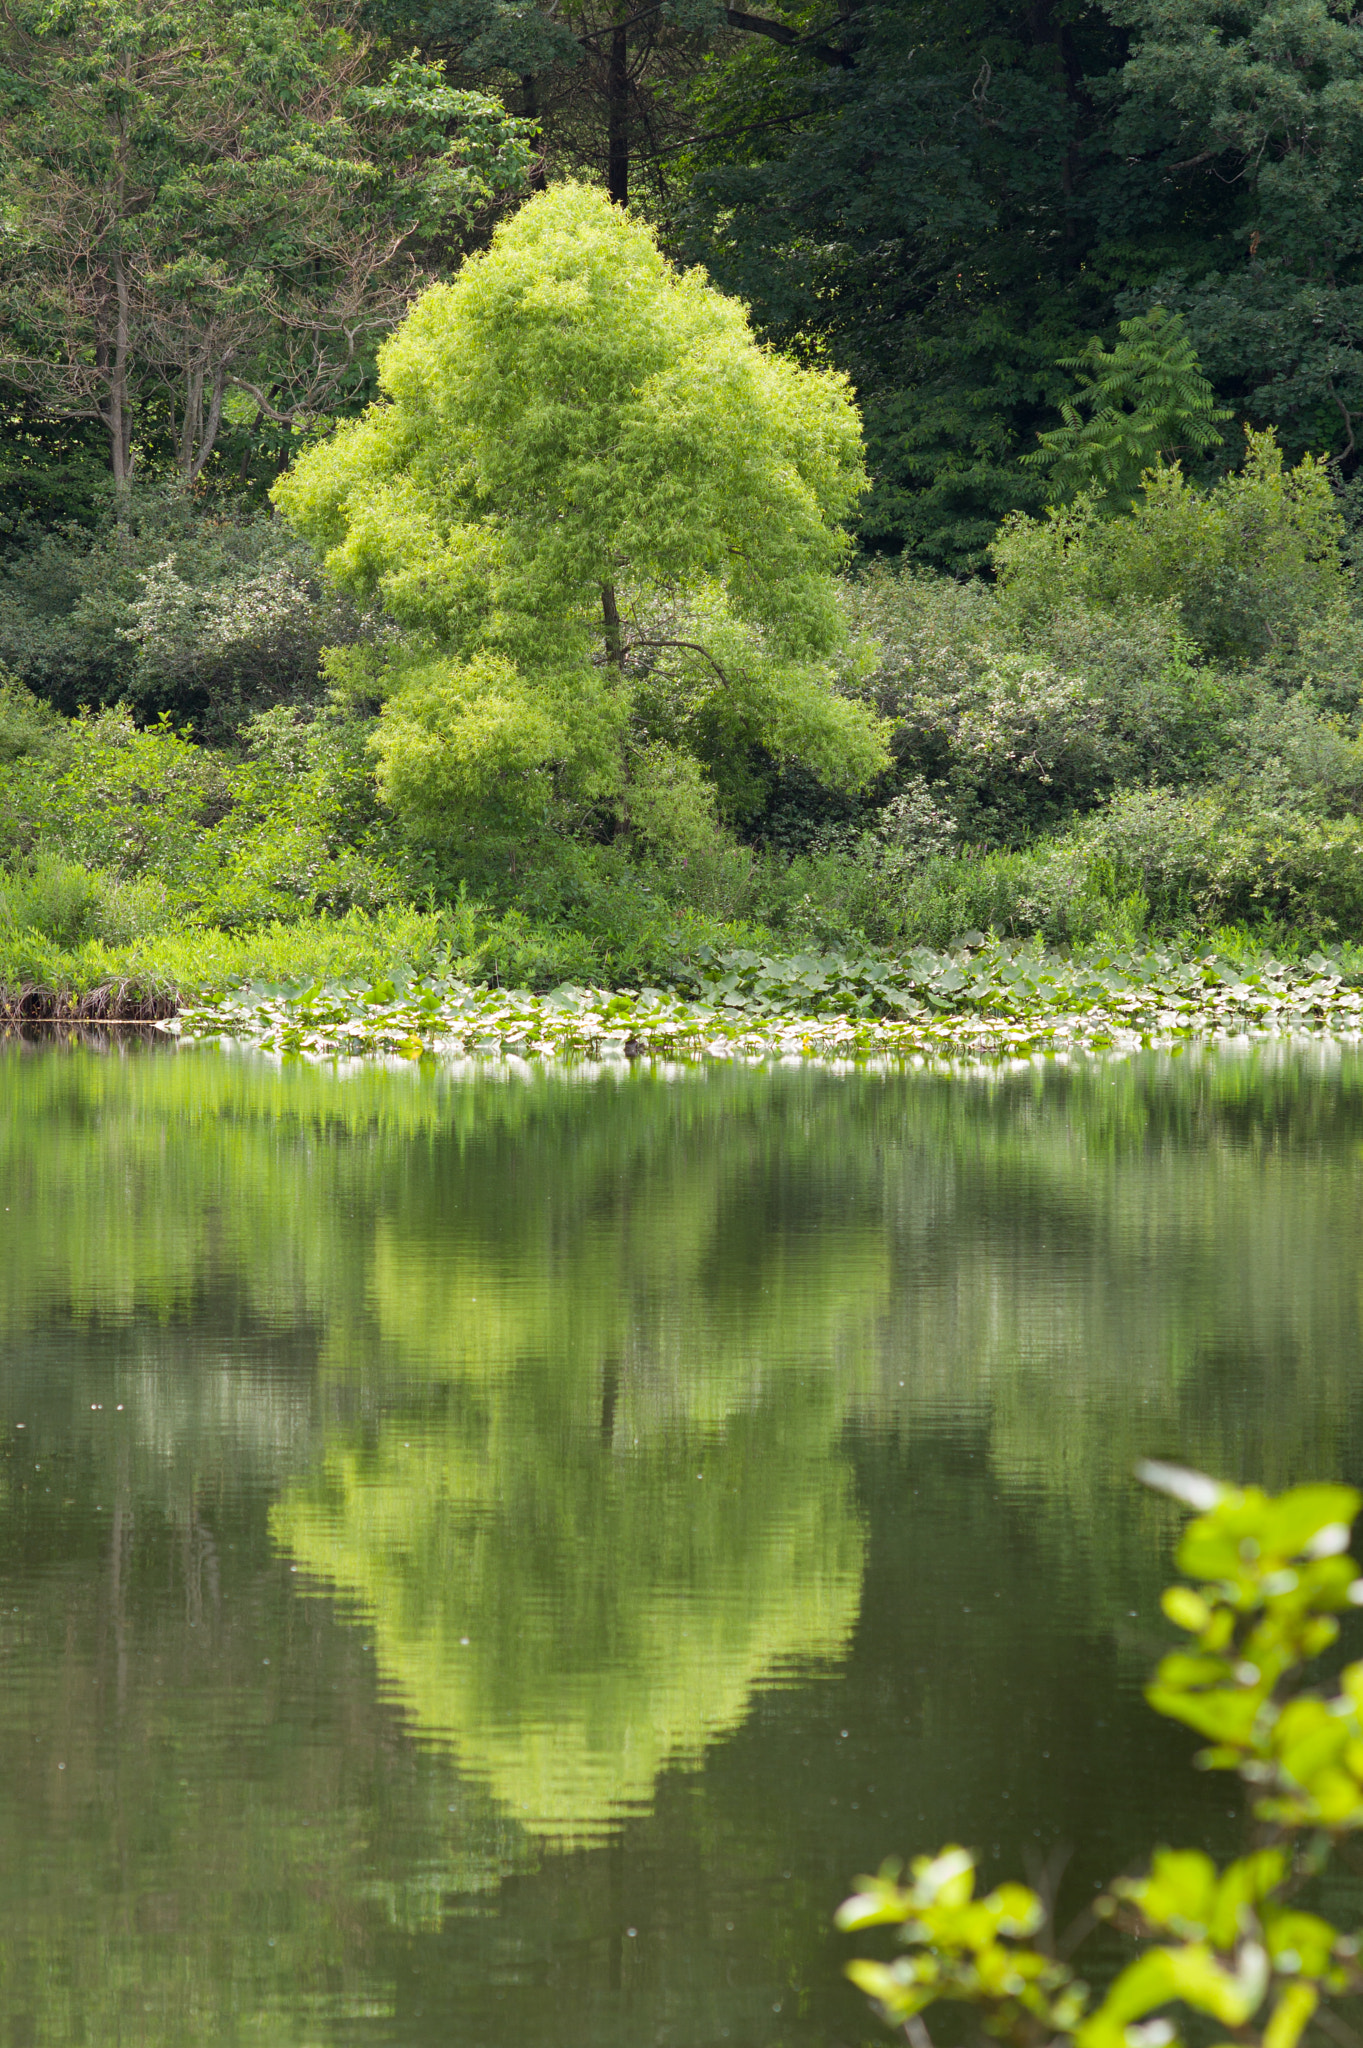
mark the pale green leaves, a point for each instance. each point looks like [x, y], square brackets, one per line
[467, 730]
[965, 1948]
[1274, 1581]
[573, 428]
[1193, 1976]
[1274, 1577]
[1238, 1945]
[1245, 567]
[1185, 1895]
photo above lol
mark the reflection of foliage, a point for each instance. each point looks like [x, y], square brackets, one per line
[272, 1268]
[1233, 1946]
[572, 1615]
[150, 1895]
[1069, 1258]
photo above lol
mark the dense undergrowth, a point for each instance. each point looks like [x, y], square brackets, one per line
[1140, 744]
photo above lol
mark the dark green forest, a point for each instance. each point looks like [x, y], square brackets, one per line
[624, 478]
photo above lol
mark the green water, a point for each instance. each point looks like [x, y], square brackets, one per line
[486, 1558]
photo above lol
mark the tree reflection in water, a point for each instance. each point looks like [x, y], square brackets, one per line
[452, 1353]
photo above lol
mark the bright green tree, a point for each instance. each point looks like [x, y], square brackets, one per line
[1140, 402]
[606, 522]
[1238, 1947]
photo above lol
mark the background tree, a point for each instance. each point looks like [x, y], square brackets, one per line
[949, 200]
[210, 209]
[608, 80]
[1259, 113]
[606, 522]
[915, 191]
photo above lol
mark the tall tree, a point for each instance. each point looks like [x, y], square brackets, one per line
[1258, 108]
[607, 521]
[913, 189]
[606, 79]
[205, 203]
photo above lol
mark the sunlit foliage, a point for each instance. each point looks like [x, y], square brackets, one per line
[601, 515]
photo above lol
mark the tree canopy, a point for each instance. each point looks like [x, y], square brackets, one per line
[210, 209]
[949, 204]
[969, 193]
[606, 523]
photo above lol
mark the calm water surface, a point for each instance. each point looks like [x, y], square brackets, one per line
[485, 1559]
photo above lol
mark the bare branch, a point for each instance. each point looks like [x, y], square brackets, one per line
[782, 32]
[695, 648]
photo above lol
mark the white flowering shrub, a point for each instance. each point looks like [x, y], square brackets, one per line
[204, 616]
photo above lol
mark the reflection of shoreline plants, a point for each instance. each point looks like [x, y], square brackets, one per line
[1197, 1186]
[334, 1229]
[1239, 1947]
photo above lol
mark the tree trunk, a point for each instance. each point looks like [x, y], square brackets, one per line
[118, 411]
[530, 108]
[189, 432]
[119, 415]
[615, 646]
[617, 115]
[1049, 33]
[209, 431]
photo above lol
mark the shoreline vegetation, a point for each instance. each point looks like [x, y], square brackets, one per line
[984, 1000]
[928, 1011]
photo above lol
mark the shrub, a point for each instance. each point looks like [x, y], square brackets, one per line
[61, 900]
[1203, 860]
[181, 610]
[185, 959]
[1145, 398]
[1017, 725]
[233, 843]
[1057, 891]
[1325, 663]
[1289, 754]
[1152, 859]
[1250, 565]
[27, 725]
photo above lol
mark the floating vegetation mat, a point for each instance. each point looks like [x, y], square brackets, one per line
[935, 1007]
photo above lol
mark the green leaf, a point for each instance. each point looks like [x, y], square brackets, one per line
[1185, 1608]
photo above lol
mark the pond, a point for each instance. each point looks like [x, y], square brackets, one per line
[487, 1556]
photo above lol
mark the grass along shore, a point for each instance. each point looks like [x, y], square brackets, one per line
[410, 982]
